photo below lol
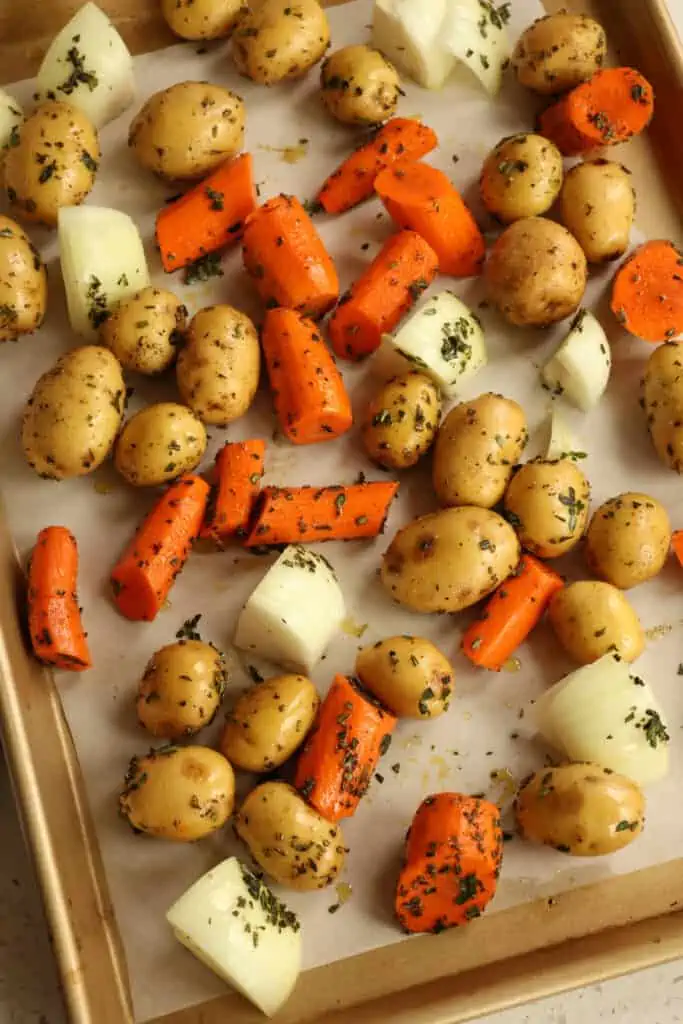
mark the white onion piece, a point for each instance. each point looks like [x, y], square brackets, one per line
[233, 923]
[601, 713]
[563, 443]
[294, 611]
[408, 33]
[475, 34]
[103, 262]
[11, 115]
[88, 64]
[580, 368]
[443, 338]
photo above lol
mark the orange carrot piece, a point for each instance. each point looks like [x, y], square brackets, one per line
[353, 181]
[339, 758]
[208, 217]
[54, 617]
[423, 199]
[383, 294]
[510, 614]
[239, 468]
[145, 573]
[454, 853]
[300, 515]
[647, 292]
[677, 545]
[612, 106]
[287, 260]
[310, 399]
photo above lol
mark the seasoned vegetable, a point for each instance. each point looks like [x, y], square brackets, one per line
[581, 366]
[289, 840]
[178, 793]
[145, 330]
[11, 116]
[477, 447]
[408, 674]
[269, 722]
[548, 505]
[23, 283]
[181, 689]
[238, 471]
[338, 761]
[581, 809]
[662, 400]
[521, 177]
[273, 41]
[562, 443]
[449, 560]
[54, 617]
[598, 204]
[359, 86]
[401, 420]
[559, 52]
[647, 292]
[628, 540]
[158, 444]
[201, 19]
[592, 618]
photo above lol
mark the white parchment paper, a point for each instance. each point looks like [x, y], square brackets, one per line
[483, 733]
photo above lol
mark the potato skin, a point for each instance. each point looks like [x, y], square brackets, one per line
[181, 689]
[628, 540]
[662, 400]
[178, 793]
[218, 369]
[401, 420]
[279, 39]
[521, 177]
[158, 444]
[23, 282]
[597, 204]
[558, 52]
[359, 85]
[408, 674]
[145, 330]
[592, 618]
[289, 840]
[269, 722]
[201, 19]
[74, 413]
[52, 162]
[581, 809]
[536, 272]
[185, 131]
[548, 504]
[476, 449]
[449, 560]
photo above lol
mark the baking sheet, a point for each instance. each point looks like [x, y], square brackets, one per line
[483, 734]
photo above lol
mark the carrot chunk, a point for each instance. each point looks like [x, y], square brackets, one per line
[647, 292]
[238, 471]
[54, 616]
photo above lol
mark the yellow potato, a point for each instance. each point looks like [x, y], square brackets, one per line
[449, 560]
[662, 399]
[598, 204]
[145, 330]
[558, 52]
[359, 85]
[521, 177]
[581, 809]
[548, 505]
[279, 39]
[201, 19]
[181, 689]
[408, 674]
[289, 840]
[477, 447]
[269, 722]
[178, 793]
[592, 618]
[23, 283]
[401, 421]
[628, 540]
[158, 444]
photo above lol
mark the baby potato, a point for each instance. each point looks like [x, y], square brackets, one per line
[181, 689]
[187, 130]
[178, 793]
[279, 39]
[401, 420]
[269, 722]
[218, 368]
[593, 618]
[581, 809]
[158, 444]
[628, 540]
[662, 399]
[74, 413]
[201, 19]
[145, 330]
[52, 162]
[359, 85]
[548, 504]
[477, 447]
[289, 840]
[408, 674]
[521, 177]
[598, 204]
[558, 52]
[23, 283]
[536, 272]
[449, 560]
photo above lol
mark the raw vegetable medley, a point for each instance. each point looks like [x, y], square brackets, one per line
[502, 523]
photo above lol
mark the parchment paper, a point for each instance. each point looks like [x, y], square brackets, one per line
[483, 733]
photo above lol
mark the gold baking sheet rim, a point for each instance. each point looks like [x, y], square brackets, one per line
[589, 934]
